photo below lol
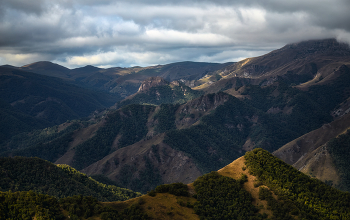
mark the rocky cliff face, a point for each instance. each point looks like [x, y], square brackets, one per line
[152, 82]
[192, 111]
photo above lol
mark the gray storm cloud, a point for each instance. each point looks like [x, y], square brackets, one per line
[125, 33]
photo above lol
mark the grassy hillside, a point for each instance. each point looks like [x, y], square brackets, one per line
[255, 187]
[40, 176]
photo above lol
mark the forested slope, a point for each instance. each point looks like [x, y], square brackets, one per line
[32, 101]
[24, 174]
[339, 148]
[299, 195]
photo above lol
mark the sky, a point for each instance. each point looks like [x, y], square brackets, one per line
[124, 33]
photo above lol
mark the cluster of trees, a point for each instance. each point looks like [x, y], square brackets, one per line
[40, 144]
[221, 197]
[339, 148]
[148, 177]
[37, 137]
[25, 174]
[30, 205]
[177, 189]
[129, 122]
[84, 207]
[27, 205]
[282, 210]
[306, 197]
[166, 117]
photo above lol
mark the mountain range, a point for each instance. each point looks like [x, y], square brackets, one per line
[123, 81]
[147, 126]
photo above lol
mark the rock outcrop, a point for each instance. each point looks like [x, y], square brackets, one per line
[152, 82]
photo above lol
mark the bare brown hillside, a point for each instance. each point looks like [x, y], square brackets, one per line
[171, 165]
[298, 148]
[309, 153]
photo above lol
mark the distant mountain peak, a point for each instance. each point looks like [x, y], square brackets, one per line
[328, 46]
[44, 65]
[39, 63]
[152, 82]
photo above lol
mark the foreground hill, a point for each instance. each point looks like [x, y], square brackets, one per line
[256, 186]
[40, 176]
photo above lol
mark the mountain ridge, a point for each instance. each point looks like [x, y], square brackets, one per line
[297, 63]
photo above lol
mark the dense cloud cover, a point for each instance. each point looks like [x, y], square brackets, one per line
[148, 32]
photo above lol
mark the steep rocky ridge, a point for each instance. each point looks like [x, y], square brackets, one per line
[296, 63]
[190, 113]
[156, 91]
[152, 82]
